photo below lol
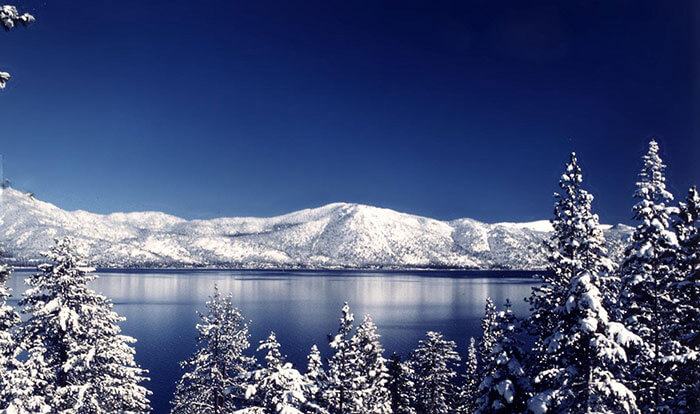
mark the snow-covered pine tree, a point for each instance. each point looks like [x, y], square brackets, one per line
[9, 320]
[78, 360]
[647, 304]
[577, 244]
[343, 379]
[434, 363]
[488, 338]
[401, 385]
[686, 288]
[587, 352]
[10, 18]
[277, 387]
[471, 378]
[214, 381]
[505, 386]
[316, 377]
[373, 392]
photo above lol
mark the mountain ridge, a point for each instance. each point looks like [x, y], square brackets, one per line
[336, 235]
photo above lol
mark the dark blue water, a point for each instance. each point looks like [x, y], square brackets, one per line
[301, 307]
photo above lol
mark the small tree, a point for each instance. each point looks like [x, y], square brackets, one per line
[10, 18]
[434, 364]
[215, 374]
[75, 347]
[316, 377]
[471, 378]
[505, 386]
[277, 387]
[401, 386]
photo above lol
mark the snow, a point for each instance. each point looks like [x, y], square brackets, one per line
[336, 235]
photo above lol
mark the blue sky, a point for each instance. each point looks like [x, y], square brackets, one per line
[445, 109]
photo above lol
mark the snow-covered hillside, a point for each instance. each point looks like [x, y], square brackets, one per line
[336, 235]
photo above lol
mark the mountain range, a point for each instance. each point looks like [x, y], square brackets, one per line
[338, 235]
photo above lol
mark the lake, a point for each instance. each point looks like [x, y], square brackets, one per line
[302, 307]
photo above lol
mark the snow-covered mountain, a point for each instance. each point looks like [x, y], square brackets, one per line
[338, 235]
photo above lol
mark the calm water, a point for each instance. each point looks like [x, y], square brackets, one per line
[301, 307]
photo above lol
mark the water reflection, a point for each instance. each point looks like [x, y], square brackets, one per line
[301, 307]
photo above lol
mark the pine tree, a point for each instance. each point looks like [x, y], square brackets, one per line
[373, 392]
[471, 378]
[434, 363]
[277, 387]
[341, 393]
[686, 288]
[9, 350]
[316, 377]
[401, 386]
[647, 303]
[78, 360]
[588, 353]
[10, 18]
[576, 245]
[214, 381]
[488, 339]
[505, 386]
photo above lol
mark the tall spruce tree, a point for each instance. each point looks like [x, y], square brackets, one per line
[471, 378]
[401, 385]
[214, 381]
[647, 303]
[373, 392]
[343, 380]
[587, 350]
[77, 359]
[576, 245]
[686, 288]
[505, 386]
[434, 363]
[488, 337]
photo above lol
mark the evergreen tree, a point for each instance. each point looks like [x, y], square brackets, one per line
[686, 288]
[434, 363]
[647, 303]
[401, 386]
[214, 381]
[373, 392]
[588, 353]
[316, 377]
[471, 378]
[343, 380]
[77, 359]
[505, 386]
[488, 338]
[13, 384]
[277, 387]
[576, 245]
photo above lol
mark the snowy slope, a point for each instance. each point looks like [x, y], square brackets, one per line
[335, 235]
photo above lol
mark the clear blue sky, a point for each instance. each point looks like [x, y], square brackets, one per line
[446, 109]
